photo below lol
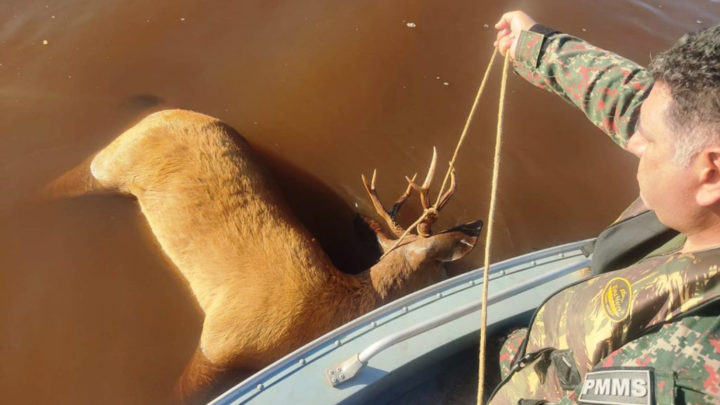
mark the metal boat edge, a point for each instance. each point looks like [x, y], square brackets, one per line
[287, 366]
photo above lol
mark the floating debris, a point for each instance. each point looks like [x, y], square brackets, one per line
[699, 22]
[182, 18]
[486, 26]
[45, 42]
[584, 30]
[143, 100]
[52, 16]
[437, 77]
[411, 25]
[446, 83]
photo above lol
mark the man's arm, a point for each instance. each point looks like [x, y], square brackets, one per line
[608, 88]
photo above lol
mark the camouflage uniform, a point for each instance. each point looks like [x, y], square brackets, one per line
[608, 88]
[660, 314]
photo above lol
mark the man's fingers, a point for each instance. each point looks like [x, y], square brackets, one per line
[515, 21]
[505, 44]
[504, 22]
[509, 27]
[502, 33]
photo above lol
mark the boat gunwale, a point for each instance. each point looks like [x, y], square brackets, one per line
[401, 305]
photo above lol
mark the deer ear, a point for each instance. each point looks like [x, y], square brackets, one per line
[383, 238]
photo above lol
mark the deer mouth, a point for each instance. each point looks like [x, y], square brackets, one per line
[470, 229]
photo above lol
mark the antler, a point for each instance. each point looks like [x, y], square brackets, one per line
[388, 216]
[446, 196]
[430, 212]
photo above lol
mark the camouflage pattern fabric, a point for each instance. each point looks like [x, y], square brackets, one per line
[686, 358]
[593, 319]
[608, 88]
[631, 317]
[509, 350]
[616, 307]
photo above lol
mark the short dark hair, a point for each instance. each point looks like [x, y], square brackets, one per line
[691, 68]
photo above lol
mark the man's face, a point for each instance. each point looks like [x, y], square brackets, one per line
[665, 186]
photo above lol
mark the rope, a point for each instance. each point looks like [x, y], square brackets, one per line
[488, 235]
[491, 210]
[404, 234]
[467, 125]
[452, 161]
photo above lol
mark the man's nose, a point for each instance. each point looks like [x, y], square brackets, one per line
[636, 144]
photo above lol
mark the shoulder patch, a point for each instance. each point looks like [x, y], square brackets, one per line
[617, 299]
[618, 386]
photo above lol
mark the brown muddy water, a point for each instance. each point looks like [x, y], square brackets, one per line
[90, 310]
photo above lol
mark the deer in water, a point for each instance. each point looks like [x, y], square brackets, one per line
[264, 284]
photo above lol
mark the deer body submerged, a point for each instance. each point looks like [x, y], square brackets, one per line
[263, 282]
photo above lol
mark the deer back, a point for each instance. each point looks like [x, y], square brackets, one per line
[214, 210]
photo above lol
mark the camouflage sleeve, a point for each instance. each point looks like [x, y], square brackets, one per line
[606, 87]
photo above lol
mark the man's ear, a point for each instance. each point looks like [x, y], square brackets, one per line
[708, 169]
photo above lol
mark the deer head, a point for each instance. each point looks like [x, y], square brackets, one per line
[411, 261]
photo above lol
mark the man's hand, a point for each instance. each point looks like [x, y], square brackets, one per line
[509, 27]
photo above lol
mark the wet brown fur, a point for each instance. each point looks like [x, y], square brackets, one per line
[264, 284]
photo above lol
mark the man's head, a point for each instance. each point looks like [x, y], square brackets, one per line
[691, 69]
[678, 133]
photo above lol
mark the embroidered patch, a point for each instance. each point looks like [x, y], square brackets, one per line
[633, 386]
[617, 299]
